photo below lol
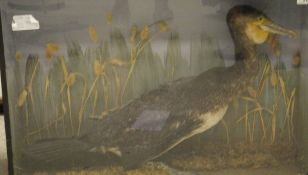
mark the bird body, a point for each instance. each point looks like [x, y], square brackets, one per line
[159, 120]
[156, 122]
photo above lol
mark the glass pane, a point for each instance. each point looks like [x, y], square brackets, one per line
[156, 86]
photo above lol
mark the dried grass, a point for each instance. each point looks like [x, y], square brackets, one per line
[255, 97]
[216, 156]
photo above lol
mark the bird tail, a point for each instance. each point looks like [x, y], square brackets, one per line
[52, 150]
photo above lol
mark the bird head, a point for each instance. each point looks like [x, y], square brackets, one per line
[244, 20]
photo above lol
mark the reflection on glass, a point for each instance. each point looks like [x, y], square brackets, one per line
[158, 87]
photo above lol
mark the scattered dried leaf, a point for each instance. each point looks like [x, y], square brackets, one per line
[104, 114]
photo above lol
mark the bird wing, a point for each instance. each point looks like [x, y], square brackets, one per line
[148, 113]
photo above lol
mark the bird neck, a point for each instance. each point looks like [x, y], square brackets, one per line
[246, 54]
[245, 69]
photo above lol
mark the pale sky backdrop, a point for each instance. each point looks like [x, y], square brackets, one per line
[68, 20]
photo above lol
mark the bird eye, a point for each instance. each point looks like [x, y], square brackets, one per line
[260, 18]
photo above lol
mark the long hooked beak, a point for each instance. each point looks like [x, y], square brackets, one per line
[271, 27]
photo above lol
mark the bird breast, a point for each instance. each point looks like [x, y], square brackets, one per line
[209, 120]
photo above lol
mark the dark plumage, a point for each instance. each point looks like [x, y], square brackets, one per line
[159, 120]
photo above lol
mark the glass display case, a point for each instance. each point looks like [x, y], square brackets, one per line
[155, 86]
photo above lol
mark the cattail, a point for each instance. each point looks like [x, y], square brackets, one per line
[18, 56]
[99, 68]
[109, 18]
[93, 34]
[51, 49]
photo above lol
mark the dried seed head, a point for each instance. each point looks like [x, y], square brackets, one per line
[93, 34]
[22, 98]
[274, 79]
[99, 69]
[145, 33]
[133, 34]
[18, 56]
[274, 45]
[163, 26]
[51, 49]
[49, 55]
[109, 18]
[70, 79]
[117, 62]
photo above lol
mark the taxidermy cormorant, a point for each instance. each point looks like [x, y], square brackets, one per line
[159, 120]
